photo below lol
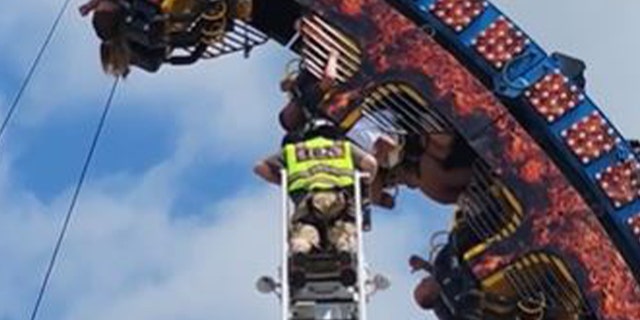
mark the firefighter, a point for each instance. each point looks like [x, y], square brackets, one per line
[320, 166]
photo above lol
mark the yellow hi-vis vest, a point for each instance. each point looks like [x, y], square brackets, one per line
[319, 164]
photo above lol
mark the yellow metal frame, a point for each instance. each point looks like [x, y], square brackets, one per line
[532, 266]
[515, 211]
[377, 95]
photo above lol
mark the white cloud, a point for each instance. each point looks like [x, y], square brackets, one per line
[126, 258]
[395, 237]
[177, 270]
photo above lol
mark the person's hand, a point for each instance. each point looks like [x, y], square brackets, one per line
[86, 8]
[417, 263]
[386, 200]
[286, 85]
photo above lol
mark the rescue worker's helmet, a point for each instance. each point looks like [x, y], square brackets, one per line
[316, 127]
[322, 127]
[319, 123]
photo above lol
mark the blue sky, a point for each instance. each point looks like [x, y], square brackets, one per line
[172, 224]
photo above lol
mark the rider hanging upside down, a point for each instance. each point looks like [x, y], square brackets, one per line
[306, 94]
[115, 54]
[144, 33]
[320, 166]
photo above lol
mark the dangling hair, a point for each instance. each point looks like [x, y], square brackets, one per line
[115, 53]
[115, 56]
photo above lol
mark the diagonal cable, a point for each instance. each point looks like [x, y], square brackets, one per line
[74, 200]
[32, 69]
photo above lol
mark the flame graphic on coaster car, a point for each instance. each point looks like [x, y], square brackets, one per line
[556, 217]
[350, 7]
[386, 37]
[567, 229]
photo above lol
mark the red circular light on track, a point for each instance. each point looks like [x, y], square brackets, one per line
[590, 138]
[620, 182]
[500, 42]
[553, 96]
[458, 14]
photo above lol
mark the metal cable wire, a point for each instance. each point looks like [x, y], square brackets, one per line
[74, 200]
[32, 69]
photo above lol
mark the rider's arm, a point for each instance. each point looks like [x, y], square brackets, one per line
[365, 162]
[88, 7]
[269, 168]
[330, 71]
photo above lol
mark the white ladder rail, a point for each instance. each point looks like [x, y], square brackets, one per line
[284, 269]
[285, 291]
[362, 273]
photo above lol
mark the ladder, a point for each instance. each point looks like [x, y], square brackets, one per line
[323, 286]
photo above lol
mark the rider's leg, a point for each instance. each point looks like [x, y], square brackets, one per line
[304, 237]
[337, 206]
[329, 204]
[343, 235]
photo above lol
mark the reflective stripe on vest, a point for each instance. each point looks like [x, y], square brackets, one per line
[319, 164]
